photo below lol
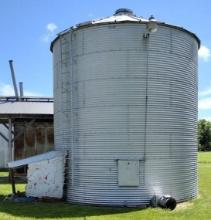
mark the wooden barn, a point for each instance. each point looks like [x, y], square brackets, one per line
[26, 127]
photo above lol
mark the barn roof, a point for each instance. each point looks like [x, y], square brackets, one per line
[45, 156]
[26, 107]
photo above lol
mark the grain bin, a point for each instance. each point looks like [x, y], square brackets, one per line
[125, 92]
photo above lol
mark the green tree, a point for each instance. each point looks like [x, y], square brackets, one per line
[204, 135]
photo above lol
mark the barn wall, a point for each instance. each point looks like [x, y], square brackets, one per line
[4, 152]
[33, 139]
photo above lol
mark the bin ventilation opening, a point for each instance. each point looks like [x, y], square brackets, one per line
[165, 202]
[123, 11]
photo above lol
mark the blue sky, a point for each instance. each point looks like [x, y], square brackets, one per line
[28, 27]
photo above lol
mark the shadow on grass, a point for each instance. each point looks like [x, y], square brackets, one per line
[4, 180]
[57, 209]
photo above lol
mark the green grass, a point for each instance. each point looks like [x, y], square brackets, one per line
[204, 157]
[198, 209]
[3, 174]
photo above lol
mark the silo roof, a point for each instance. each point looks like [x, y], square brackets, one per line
[122, 15]
[119, 16]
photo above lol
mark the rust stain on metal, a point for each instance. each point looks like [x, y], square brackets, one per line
[29, 137]
[33, 139]
[50, 137]
[19, 142]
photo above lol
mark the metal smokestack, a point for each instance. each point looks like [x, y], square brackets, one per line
[21, 89]
[13, 78]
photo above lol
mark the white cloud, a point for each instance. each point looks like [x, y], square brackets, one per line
[204, 53]
[206, 92]
[51, 27]
[30, 93]
[50, 30]
[90, 15]
[204, 104]
[45, 38]
[206, 118]
[8, 90]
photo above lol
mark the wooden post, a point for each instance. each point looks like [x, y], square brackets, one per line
[12, 181]
[10, 144]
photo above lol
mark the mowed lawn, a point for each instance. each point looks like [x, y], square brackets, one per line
[198, 209]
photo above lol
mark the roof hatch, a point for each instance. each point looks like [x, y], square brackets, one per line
[123, 11]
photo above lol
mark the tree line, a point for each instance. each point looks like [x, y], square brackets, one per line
[204, 135]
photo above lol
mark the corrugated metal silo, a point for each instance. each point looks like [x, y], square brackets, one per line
[126, 110]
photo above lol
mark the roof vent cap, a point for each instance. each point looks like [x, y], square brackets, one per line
[152, 18]
[123, 11]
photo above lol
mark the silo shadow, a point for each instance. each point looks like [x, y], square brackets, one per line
[58, 209]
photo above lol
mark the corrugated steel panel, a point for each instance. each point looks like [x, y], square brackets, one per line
[119, 96]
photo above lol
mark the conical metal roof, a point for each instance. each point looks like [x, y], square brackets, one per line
[122, 15]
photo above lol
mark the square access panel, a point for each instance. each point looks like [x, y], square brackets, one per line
[128, 172]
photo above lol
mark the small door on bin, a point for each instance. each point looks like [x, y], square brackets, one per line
[128, 172]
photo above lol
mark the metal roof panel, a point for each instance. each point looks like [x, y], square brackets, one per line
[26, 108]
[46, 156]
